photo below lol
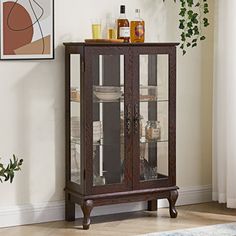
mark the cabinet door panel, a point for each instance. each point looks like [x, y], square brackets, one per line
[75, 115]
[109, 160]
[73, 118]
[154, 118]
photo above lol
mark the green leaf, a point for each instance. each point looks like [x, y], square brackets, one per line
[206, 11]
[8, 173]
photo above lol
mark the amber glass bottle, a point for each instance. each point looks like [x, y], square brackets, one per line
[123, 29]
[137, 28]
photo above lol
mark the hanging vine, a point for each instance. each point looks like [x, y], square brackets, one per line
[193, 18]
[8, 172]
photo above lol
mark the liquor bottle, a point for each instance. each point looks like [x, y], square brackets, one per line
[123, 29]
[137, 28]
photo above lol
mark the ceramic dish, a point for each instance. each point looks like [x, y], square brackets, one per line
[108, 96]
[107, 89]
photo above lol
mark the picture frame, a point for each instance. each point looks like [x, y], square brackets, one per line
[27, 30]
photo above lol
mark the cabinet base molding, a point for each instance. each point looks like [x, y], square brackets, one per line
[88, 202]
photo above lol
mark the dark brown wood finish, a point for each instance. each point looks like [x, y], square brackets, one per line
[172, 198]
[172, 116]
[122, 197]
[152, 205]
[86, 207]
[69, 208]
[169, 180]
[90, 53]
[170, 44]
[69, 205]
[131, 189]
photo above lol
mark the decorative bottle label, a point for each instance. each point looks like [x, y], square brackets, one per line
[124, 32]
[155, 133]
[139, 30]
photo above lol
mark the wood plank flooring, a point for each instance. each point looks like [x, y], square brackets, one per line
[130, 224]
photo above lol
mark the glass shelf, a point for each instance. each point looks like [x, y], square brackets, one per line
[77, 141]
[101, 142]
[95, 100]
[143, 140]
[147, 94]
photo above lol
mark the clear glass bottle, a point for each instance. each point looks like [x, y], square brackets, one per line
[123, 29]
[153, 130]
[111, 27]
[137, 28]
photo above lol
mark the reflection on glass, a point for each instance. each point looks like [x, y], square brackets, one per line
[154, 111]
[148, 93]
[75, 119]
[75, 163]
[108, 119]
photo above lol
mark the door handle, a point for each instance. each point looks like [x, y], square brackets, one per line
[128, 119]
[136, 118]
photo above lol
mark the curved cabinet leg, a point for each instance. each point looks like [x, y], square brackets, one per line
[172, 200]
[87, 208]
[69, 208]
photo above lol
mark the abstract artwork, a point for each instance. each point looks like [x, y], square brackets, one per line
[27, 29]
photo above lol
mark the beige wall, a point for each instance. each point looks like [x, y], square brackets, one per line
[32, 102]
[194, 112]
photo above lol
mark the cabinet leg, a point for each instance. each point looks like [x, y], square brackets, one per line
[152, 205]
[69, 209]
[87, 208]
[172, 200]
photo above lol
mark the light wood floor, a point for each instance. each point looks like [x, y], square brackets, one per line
[132, 223]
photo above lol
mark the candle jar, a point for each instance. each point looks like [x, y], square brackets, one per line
[153, 130]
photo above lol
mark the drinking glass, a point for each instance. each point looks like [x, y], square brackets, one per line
[96, 29]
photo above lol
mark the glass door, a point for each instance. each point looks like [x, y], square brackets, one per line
[75, 119]
[152, 114]
[109, 119]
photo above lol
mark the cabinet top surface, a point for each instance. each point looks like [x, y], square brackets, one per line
[120, 44]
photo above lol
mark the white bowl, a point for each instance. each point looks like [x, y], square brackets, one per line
[107, 89]
[108, 96]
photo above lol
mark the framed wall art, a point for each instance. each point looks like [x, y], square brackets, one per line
[27, 29]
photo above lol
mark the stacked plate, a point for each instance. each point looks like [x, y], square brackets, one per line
[107, 92]
[97, 131]
[75, 127]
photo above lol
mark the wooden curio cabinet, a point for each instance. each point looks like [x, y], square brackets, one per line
[120, 102]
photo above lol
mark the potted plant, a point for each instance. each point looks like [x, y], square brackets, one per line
[7, 173]
[193, 18]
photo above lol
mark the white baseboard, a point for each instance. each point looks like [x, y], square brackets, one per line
[54, 211]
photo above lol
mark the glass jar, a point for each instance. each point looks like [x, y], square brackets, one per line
[75, 94]
[153, 130]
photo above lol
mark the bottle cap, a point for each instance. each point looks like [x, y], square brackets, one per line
[122, 9]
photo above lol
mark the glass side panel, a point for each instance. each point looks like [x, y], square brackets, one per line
[108, 119]
[153, 117]
[75, 119]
